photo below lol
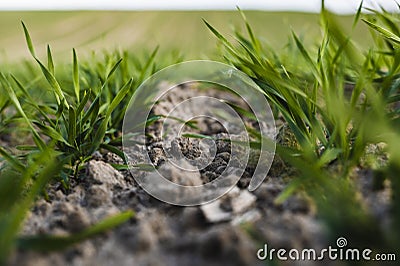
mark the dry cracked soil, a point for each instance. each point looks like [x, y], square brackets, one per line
[228, 231]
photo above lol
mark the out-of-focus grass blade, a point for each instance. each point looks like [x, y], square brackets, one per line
[269, 144]
[4, 106]
[393, 99]
[253, 39]
[113, 70]
[53, 243]
[254, 132]
[11, 160]
[28, 40]
[50, 63]
[43, 112]
[305, 55]
[14, 99]
[338, 36]
[241, 110]
[288, 191]
[151, 120]
[358, 14]
[10, 188]
[48, 167]
[75, 74]
[148, 64]
[192, 124]
[328, 156]
[26, 148]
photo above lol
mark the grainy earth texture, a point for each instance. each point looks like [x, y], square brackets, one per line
[228, 231]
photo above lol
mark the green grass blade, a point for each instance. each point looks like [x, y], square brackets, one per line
[144, 167]
[224, 41]
[48, 72]
[44, 113]
[28, 40]
[328, 156]
[148, 64]
[83, 103]
[384, 32]
[51, 132]
[241, 110]
[249, 52]
[113, 69]
[196, 136]
[48, 167]
[72, 126]
[17, 104]
[120, 96]
[50, 63]
[114, 150]
[388, 19]
[120, 167]
[101, 131]
[305, 55]
[217, 34]
[253, 39]
[93, 111]
[16, 164]
[358, 14]
[53, 243]
[99, 135]
[75, 74]
[26, 148]
[54, 84]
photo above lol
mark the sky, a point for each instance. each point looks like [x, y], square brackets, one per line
[337, 6]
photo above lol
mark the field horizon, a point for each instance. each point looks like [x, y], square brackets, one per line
[179, 31]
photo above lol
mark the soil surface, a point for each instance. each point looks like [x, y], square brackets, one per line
[228, 231]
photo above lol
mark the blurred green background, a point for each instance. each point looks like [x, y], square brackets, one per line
[182, 31]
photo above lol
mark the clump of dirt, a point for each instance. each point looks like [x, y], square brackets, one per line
[228, 231]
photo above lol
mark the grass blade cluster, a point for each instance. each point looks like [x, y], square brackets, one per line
[337, 101]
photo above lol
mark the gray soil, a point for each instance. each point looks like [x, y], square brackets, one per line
[228, 231]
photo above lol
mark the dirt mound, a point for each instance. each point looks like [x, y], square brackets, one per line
[228, 231]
